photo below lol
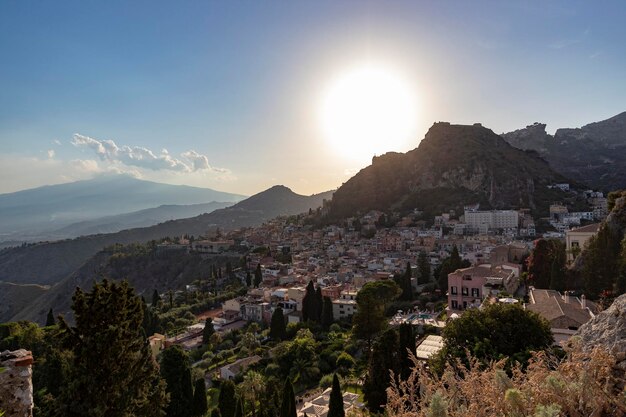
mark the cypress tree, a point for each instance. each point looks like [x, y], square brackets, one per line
[239, 408]
[406, 344]
[335, 402]
[200, 405]
[208, 331]
[288, 404]
[319, 304]
[309, 303]
[405, 284]
[327, 312]
[248, 279]
[423, 267]
[155, 298]
[278, 329]
[113, 373]
[226, 400]
[50, 319]
[377, 380]
[177, 375]
[258, 276]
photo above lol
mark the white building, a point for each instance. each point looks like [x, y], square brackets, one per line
[492, 219]
[345, 305]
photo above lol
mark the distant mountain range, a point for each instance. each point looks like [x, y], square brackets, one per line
[37, 211]
[454, 165]
[594, 155]
[49, 263]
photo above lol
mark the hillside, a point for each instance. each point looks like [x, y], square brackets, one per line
[50, 262]
[15, 297]
[55, 206]
[594, 154]
[454, 165]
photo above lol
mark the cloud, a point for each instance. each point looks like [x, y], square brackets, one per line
[57, 142]
[51, 153]
[137, 156]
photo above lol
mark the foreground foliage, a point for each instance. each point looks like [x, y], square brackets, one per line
[581, 384]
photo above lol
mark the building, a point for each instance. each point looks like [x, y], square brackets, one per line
[228, 372]
[209, 246]
[492, 219]
[469, 286]
[576, 239]
[565, 313]
[318, 406]
[345, 305]
[429, 347]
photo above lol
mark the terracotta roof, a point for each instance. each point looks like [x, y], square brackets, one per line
[550, 305]
[590, 228]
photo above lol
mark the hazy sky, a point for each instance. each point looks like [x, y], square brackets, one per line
[227, 94]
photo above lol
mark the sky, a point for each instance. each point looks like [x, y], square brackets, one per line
[227, 94]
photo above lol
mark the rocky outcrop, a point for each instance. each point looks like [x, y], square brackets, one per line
[607, 330]
[16, 383]
[594, 154]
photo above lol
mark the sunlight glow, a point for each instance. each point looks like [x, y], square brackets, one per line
[368, 110]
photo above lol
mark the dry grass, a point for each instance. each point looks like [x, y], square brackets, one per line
[580, 385]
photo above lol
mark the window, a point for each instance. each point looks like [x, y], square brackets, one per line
[575, 244]
[464, 291]
[453, 291]
[475, 292]
[455, 304]
[467, 277]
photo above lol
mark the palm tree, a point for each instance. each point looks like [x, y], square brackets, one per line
[252, 387]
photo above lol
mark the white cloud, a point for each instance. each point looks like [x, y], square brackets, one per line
[57, 142]
[137, 156]
[51, 153]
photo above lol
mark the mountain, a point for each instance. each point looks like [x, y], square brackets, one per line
[55, 206]
[454, 165]
[112, 224]
[14, 298]
[594, 154]
[50, 262]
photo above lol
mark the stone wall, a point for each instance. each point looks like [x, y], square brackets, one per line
[16, 383]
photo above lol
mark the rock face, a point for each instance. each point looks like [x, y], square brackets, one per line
[16, 383]
[608, 330]
[454, 165]
[594, 154]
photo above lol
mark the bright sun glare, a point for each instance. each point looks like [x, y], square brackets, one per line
[367, 111]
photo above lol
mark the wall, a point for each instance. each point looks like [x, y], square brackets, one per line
[16, 383]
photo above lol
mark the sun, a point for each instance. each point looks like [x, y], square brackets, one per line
[368, 111]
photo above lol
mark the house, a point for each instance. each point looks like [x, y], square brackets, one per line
[345, 305]
[469, 286]
[228, 372]
[318, 406]
[575, 239]
[565, 313]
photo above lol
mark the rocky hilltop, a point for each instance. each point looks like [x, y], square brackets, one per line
[594, 154]
[454, 165]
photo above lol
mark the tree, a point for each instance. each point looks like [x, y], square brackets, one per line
[200, 405]
[404, 282]
[382, 360]
[406, 344]
[449, 265]
[372, 301]
[288, 404]
[309, 304]
[208, 331]
[423, 268]
[113, 373]
[601, 267]
[327, 313]
[50, 319]
[335, 402]
[226, 399]
[252, 387]
[319, 304]
[278, 329]
[541, 259]
[248, 279]
[239, 408]
[557, 273]
[175, 371]
[499, 331]
[155, 298]
[258, 276]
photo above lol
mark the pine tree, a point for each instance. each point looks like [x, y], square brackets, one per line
[226, 400]
[176, 372]
[278, 329]
[200, 405]
[335, 402]
[288, 404]
[327, 313]
[155, 298]
[258, 276]
[113, 373]
[50, 319]
[208, 331]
